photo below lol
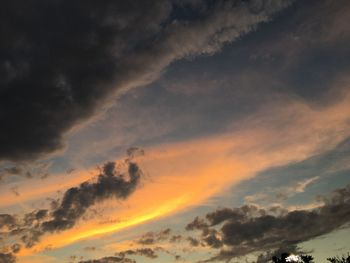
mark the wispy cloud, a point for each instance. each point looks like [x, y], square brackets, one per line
[278, 195]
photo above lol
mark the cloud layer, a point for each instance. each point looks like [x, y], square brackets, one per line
[64, 214]
[61, 60]
[247, 229]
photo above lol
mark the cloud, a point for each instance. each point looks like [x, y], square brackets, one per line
[111, 183]
[280, 194]
[267, 140]
[7, 221]
[25, 170]
[7, 258]
[248, 229]
[77, 200]
[63, 60]
[154, 237]
[110, 260]
[147, 252]
[122, 256]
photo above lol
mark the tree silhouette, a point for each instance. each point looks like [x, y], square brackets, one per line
[290, 258]
[307, 258]
[337, 259]
[281, 259]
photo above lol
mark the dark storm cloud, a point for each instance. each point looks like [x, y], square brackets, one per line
[251, 229]
[61, 60]
[57, 59]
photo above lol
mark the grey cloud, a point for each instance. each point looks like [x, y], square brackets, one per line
[35, 216]
[30, 236]
[60, 61]
[25, 170]
[110, 183]
[250, 229]
[197, 223]
[110, 260]
[175, 238]
[147, 252]
[234, 214]
[122, 256]
[77, 200]
[193, 241]
[154, 237]
[90, 248]
[148, 239]
[13, 170]
[16, 248]
[314, 53]
[135, 152]
[7, 258]
[7, 221]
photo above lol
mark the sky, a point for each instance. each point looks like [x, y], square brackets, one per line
[174, 130]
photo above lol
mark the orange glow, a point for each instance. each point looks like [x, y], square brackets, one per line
[188, 173]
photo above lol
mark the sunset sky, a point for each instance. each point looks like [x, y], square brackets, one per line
[174, 130]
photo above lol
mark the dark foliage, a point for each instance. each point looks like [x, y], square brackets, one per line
[342, 259]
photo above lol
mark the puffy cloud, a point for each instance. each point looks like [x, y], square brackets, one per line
[62, 60]
[7, 221]
[7, 258]
[16, 248]
[248, 229]
[77, 200]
